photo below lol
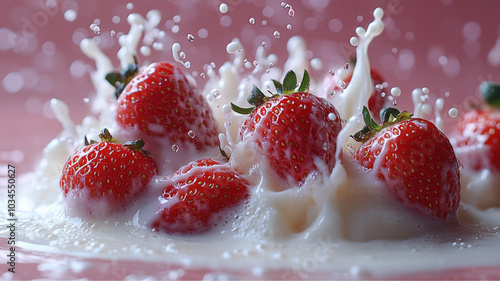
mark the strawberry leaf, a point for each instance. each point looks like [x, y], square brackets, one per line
[256, 97]
[305, 82]
[370, 123]
[290, 82]
[241, 110]
[114, 78]
[385, 114]
[279, 87]
[491, 93]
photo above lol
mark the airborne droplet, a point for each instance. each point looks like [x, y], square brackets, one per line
[276, 34]
[191, 134]
[251, 21]
[190, 37]
[175, 148]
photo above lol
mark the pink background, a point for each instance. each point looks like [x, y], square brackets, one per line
[440, 44]
[422, 45]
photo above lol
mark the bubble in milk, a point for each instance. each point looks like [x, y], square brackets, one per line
[191, 134]
[190, 37]
[346, 65]
[216, 93]
[175, 148]
[331, 71]
[276, 34]
[343, 85]
[251, 21]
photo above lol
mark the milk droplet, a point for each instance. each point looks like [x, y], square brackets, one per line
[70, 15]
[190, 37]
[202, 75]
[354, 41]
[175, 148]
[396, 91]
[276, 34]
[130, 6]
[187, 64]
[223, 8]
[283, 4]
[264, 44]
[291, 12]
[255, 63]
[251, 21]
[191, 134]
[182, 55]
[233, 47]
[212, 64]
[145, 51]
[86, 100]
[289, 26]
[453, 112]
[96, 29]
[112, 33]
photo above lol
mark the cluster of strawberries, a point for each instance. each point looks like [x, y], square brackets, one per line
[291, 128]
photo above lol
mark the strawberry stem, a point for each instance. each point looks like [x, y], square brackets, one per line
[491, 93]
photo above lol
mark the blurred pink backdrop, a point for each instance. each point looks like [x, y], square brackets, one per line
[439, 44]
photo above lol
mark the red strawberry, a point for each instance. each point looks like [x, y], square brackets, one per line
[161, 102]
[199, 196]
[292, 129]
[378, 99]
[415, 161]
[105, 177]
[476, 136]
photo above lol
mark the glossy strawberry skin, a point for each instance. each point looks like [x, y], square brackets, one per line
[417, 164]
[476, 139]
[105, 177]
[291, 131]
[199, 196]
[161, 102]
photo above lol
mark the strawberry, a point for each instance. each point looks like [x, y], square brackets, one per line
[159, 101]
[292, 129]
[105, 177]
[476, 137]
[198, 197]
[414, 160]
[378, 99]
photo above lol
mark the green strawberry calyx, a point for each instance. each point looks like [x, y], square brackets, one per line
[289, 86]
[389, 117]
[106, 136]
[120, 79]
[491, 93]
